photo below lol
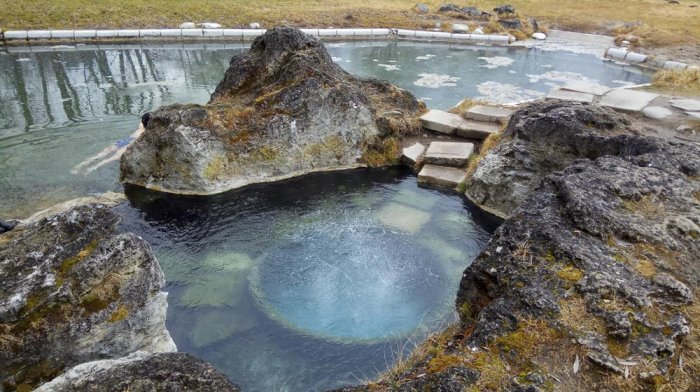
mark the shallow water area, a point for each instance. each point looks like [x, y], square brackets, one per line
[312, 283]
[62, 105]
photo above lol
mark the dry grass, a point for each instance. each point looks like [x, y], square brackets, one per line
[686, 79]
[661, 23]
[488, 145]
[465, 105]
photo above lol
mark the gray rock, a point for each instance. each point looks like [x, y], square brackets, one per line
[422, 8]
[488, 113]
[540, 139]
[566, 95]
[504, 9]
[76, 290]
[188, 25]
[511, 24]
[283, 109]
[142, 372]
[449, 8]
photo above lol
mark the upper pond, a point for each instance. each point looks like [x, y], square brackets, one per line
[59, 106]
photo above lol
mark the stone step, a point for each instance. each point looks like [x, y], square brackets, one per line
[448, 153]
[449, 123]
[413, 154]
[442, 176]
[488, 113]
[568, 95]
[627, 100]
[587, 87]
[476, 129]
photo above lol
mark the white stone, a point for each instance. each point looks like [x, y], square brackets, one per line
[460, 28]
[255, 25]
[695, 115]
[488, 113]
[454, 154]
[675, 65]
[381, 32]
[22, 34]
[107, 33]
[584, 86]
[405, 33]
[187, 25]
[210, 25]
[312, 32]
[38, 34]
[442, 34]
[625, 43]
[413, 154]
[65, 34]
[690, 105]
[129, 33]
[617, 53]
[566, 95]
[635, 57]
[539, 36]
[478, 30]
[656, 112]
[403, 218]
[170, 33]
[213, 32]
[192, 32]
[443, 176]
[233, 33]
[327, 32]
[144, 33]
[627, 100]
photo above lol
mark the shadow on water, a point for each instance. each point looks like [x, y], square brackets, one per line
[309, 283]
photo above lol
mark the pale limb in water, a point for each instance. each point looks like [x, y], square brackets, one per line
[116, 150]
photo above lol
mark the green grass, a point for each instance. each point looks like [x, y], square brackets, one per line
[662, 23]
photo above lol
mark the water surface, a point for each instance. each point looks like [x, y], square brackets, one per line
[311, 283]
[61, 105]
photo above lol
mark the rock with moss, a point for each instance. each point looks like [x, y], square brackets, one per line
[142, 372]
[283, 108]
[592, 281]
[75, 290]
[540, 139]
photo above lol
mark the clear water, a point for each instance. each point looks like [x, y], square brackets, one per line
[61, 105]
[312, 283]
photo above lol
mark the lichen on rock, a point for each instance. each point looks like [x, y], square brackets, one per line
[283, 108]
[75, 290]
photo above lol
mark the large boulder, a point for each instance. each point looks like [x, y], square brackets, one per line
[538, 140]
[142, 372]
[75, 290]
[591, 283]
[284, 108]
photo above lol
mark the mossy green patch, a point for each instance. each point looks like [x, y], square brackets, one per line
[119, 314]
[443, 361]
[67, 264]
[215, 168]
[570, 273]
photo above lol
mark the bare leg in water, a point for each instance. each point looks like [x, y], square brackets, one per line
[116, 150]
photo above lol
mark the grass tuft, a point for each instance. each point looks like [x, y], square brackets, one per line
[680, 79]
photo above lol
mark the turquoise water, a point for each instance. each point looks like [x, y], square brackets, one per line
[312, 283]
[60, 105]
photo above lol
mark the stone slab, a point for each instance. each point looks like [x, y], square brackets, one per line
[441, 121]
[442, 176]
[690, 105]
[454, 154]
[656, 112]
[476, 129]
[413, 154]
[694, 115]
[460, 28]
[627, 100]
[567, 95]
[488, 113]
[583, 86]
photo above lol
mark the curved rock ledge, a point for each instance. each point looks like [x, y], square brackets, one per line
[283, 109]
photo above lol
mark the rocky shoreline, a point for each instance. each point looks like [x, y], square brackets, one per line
[591, 282]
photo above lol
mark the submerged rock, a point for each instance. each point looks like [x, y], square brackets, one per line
[284, 108]
[142, 372]
[75, 290]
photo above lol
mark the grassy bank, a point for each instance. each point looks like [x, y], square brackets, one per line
[662, 23]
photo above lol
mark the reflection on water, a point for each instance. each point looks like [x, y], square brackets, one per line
[61, 105]
[311, 283]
